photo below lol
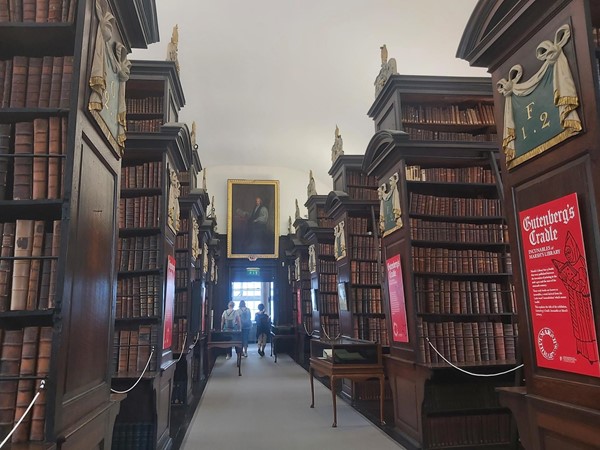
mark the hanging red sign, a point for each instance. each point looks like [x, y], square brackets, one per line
[169, 301]
[397, 300]
[564, 331]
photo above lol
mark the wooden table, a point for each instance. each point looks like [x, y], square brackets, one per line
[354, 372]
[226, 339]
[279, 337]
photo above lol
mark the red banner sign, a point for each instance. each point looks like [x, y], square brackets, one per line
[397, 301]
[169, 300]
[299, 305]
[564, 331]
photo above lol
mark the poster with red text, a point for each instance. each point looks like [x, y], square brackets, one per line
[169, 300]
[299, 305]
[397, 301]
[564, 331]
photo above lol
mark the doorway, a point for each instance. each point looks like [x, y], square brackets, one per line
[253, 293]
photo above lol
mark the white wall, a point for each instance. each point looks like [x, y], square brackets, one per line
[292, 185]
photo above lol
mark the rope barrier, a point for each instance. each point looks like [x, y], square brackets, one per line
[139, 379]
[327, 335]
[472, 373]
[182, 347]
[306, 330]
[42, 386]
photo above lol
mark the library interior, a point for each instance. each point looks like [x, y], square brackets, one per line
[406, 303]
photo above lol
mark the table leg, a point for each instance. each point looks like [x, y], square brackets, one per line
[274, 349]
[381, 398]
[333, 397]
[238, 352]
[312, 388]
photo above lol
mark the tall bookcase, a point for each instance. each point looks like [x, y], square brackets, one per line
[148, 225]
[546, 168]
[59, 174]
[447, 269]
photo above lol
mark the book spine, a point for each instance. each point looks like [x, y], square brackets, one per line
[54, 263]
[6, 265]
[45, 81]
[54, 151]
[6, 94]
[65, 88]
[36, 263]
[21, 267]
[34, 82]
[12, 344]
[19, 81]
[40, 161]
[5, 133]
[26, 386]
[38, 412]
[23, 169]
[41, 11]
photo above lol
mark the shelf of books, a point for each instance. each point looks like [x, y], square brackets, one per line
[58, 187]
[448, 279]
[146, 330]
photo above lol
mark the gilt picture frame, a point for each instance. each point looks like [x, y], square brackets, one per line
[252, 219]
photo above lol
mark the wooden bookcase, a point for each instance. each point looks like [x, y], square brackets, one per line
[148, 226]
[447, 268]
[58, 207]
[551, 164]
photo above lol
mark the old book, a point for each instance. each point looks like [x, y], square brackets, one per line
[45, 273]
[34, 81]
[5, 129]
[144, 346]
[2, 68]
[4, 17]
[41, 11]
[64, 129]
[65, 88]
[23, 165]
[28, 10]
[40, 161]
[10, 362]
[21, 267]
[38, 412]
[45, 82]
[26, 385]
[54, 263]
[19, 81]
[56, 81]
[133, 351]
[71, 11]
[7, 84]
[123, 350]
[36, 265]
[499, 341]
[54, 10]
[54, 160]
[6, 265]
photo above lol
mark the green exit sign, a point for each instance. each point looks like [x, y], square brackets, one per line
[253, 271]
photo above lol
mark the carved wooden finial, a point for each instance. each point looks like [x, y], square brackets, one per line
[172, 47]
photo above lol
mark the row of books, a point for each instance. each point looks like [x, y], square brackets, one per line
[328, 304]
[327, 282]
[132, 349]
[361, 306]
[436, 296]
[144, 176]
[324, 249]
[29, 82]
[25, 361]
[325, 222]
[133, 436]
[360, 193]
[454, 206]
[179, 335]
[144, 126]
[467, 342]
[33, 160]
[137, 296]
[358, 225]
[38, 11]
[29, 264]
[181, 303]
[474, 174]
[359, 178]
[363, 247]
[137, 253]
[417, 134]
[153, 105]
[456, 397]
[465, 233]
[182, 278]
[480, 114]
[325, 266]
[468, 430]
[371, 329]
[364, 272]
[330, 326]
[181, 261]
[371, 294]
[139, 212]
[466, 261]
[182, 241]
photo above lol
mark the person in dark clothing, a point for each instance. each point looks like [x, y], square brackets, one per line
[263, 328]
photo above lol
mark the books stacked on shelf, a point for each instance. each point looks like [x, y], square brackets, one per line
[366, 300]
[25, 355]
[144, 125]
[418, 134]
[496, 233]
[132, 349]
[35, 161]
[473, 430]
[360, 186]
[139, 212]
[179, 334]
[145, 105]
[138, 253]
[30, 82]
[46, 11]
[477, 114]
[432, 205]
[467, 261]
[136, 296]
[371, 329]
[133, 436]
[29, 264]
[477, 174]
[144, 176]
[323, 220]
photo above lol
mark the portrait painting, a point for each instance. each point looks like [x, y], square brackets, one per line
[252, 218]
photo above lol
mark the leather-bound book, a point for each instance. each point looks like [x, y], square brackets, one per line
[54, 10]
[10, 362]
[45, 273]
[65, 88]
[36, 265]
[40, 163]
[26, 385]
[45, 81]
[21, 267]
[56, 81]
[54, 263]
[28, 10]
[38, 412]
[41, 10]
[19, 81]
[5, 129]
[34, 82]
[54, 161]
[23, 170]
[7, 83]
[6, 265]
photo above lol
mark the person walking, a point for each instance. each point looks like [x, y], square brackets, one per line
[230, 321]
[246, 322]
[263, 328]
